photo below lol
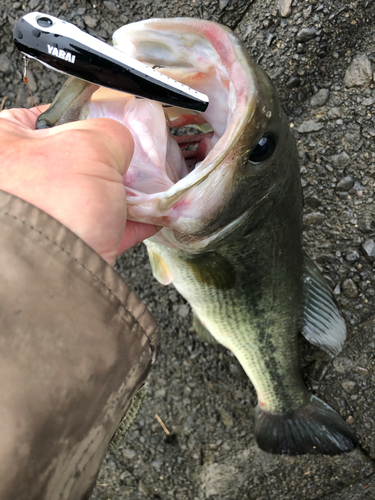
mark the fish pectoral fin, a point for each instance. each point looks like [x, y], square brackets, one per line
[202, 331]
[69, 105]
[159, 268]
[314, 428]
[323, 324]
[213, 270]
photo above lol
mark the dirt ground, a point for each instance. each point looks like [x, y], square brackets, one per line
[199, 391]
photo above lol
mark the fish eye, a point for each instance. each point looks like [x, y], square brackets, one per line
[264, 149]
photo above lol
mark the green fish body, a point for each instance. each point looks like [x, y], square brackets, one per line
[231, 241]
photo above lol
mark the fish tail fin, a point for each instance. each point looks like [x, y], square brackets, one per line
[315, 428]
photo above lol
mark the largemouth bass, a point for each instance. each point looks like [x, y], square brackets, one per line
[229, 199]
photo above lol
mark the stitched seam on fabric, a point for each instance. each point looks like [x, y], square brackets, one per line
[129, 375]
[84, 267]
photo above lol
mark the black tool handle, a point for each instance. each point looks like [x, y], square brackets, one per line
[65, 48]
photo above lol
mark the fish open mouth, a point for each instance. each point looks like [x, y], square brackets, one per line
[176, 148]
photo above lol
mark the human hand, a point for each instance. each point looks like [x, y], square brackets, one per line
[73, 172]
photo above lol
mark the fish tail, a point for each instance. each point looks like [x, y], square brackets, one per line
[315, 428]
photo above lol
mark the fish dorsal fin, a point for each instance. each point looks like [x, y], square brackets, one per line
[323, 324]
[159, 268]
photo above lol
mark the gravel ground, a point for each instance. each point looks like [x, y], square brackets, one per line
[321, 57]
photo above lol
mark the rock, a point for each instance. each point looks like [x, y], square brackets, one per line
[111, 6]
[349, 288]
[90, 21]
[349, 386]
[342, 365]
[156, 464]
[4, 63]
[313, 219]
[294, 81]
[345, 184]
[334, 113]
[33, 4]
[285, 8]
[366, 222]
[369, 101]
[352, 256]
[144, 489]
[320, 98]
[309, 126]
[313, 201]
[306, 34]
[184, 310]
[359, 72]
[223, 4]
[226, 418]
[340, 160]
[369, 249]
[128, 453]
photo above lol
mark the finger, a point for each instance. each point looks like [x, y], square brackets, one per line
[135, 232]
[112, 140]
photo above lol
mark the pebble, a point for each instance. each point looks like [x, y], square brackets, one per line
[350, 420]
[144, 488]
[294, 81]
[369, 101]
[340, 160]
[223, 4]
[342, 365]
[184, 310]
[369, 248]
[309, 126]
[366, 222]
[111, 6]
[90, 21]
[285, 8]
[226, 418]
[349, 386]
[156, 464]
[359, 72]
[306, 34]
[349, 288]
[320, 98]
[313, 218]
[352, 256]
[345, 184]
[334, 113]
[128, 453]
[4, 63]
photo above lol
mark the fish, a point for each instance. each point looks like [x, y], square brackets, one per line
[224, 186]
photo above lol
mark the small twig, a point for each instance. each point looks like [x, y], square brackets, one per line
[3, 102]
[162, 424]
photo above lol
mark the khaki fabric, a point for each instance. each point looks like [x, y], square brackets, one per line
[75, 346]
